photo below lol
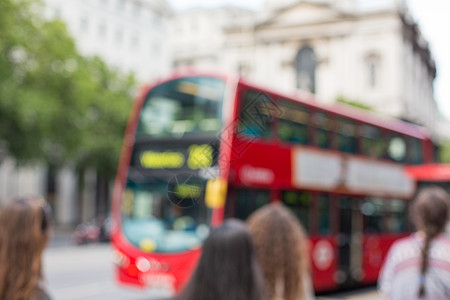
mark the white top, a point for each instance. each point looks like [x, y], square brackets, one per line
[400, 274]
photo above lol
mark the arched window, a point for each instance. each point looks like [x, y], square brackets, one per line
[305, 68]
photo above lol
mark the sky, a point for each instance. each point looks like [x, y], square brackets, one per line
[431, 15]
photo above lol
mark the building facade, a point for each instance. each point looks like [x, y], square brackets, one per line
[129, 35]
[367, 51]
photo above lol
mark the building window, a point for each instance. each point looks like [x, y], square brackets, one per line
[373, 70]
[120, 5]
[101, 31]
[119, 36]
[135, 41]
[136, 10]
[57, 12]
[244, 69]
[305, 68]
[84, 24]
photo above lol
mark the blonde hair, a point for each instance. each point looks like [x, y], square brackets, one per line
[279, 242]
[23, 237]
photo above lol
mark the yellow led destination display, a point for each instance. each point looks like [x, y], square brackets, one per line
[188, 191]
[200, 156]
[162, 160]
[195, 157]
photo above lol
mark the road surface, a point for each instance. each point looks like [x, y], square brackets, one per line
[86, 273]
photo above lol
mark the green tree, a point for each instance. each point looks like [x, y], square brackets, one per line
[444, 153]
[55, 105]
[353, 103]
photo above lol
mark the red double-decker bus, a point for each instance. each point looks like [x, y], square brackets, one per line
[200, 148]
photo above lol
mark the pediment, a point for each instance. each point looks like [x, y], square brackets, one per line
[300, 14]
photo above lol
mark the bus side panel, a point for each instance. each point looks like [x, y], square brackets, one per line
[261, 164]
[375, 249]
[323, 263]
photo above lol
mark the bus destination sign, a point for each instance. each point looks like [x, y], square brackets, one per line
[193, 157]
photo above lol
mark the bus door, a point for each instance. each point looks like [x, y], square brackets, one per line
[349, 242]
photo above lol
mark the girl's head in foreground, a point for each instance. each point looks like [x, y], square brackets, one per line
[228, 268]
[281, 250]
[24, 234]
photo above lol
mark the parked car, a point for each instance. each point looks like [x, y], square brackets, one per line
[93, 231]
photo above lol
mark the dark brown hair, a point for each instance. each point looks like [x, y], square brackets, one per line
[429, 214]
[279, 241]
[228, 268]
[23, 237]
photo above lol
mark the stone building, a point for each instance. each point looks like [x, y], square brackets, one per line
[367, 51]
[129, 35]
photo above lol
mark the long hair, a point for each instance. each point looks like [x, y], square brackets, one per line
[23, 237]
[279, 238]
[429, 214]
[228, 268]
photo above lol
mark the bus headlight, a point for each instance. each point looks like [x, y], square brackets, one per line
[120, 259]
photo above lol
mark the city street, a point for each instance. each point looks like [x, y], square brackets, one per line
[86, 272]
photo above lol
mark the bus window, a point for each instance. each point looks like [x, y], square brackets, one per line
[298, 203]
[167, 222]
[396, 148]
[321, 123]
[255, 114]
[395, 216]
[346, 135]
[293, 123]
[414, 151]
[371, 142]
[182, 107]
[372, 209]
[324, 214]
[249, 200]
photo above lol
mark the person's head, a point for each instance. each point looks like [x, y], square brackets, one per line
[24, 227]
[279, 241]
[429, 214]
[430, 210]
[227, 268]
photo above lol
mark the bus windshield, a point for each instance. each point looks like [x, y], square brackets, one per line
[181, 107]
[158, 217]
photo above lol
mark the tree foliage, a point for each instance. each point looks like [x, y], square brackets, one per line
[444, 152]
[57, 106]
[354, 103]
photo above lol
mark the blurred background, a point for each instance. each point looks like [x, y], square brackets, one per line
[69, 70]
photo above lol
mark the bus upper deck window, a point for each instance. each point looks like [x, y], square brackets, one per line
[256, 114]
[371, 141]
[293, 123]
[321, 123]
[414, 151]
[346, 135]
